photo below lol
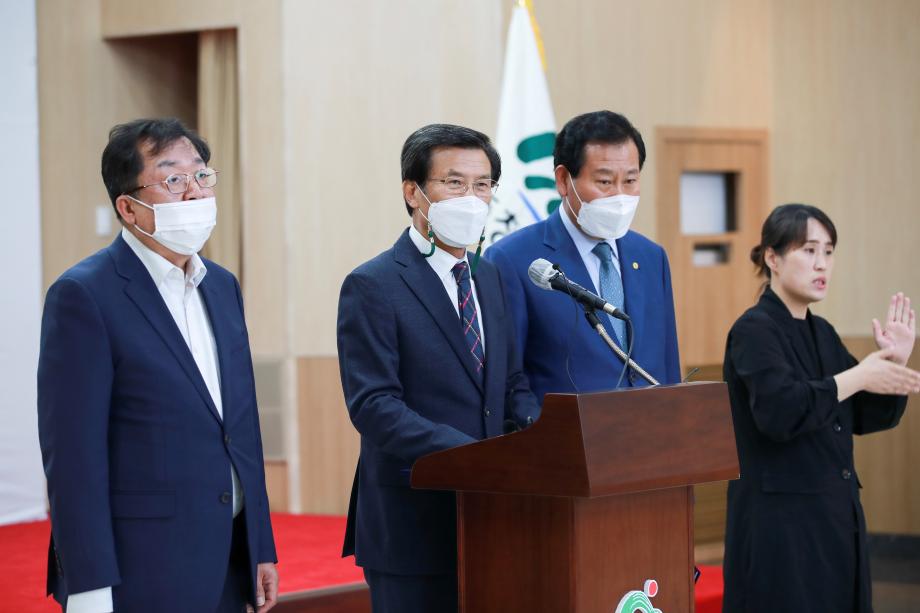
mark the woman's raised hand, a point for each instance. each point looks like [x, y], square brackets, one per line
[878, 373]
[881, 375]
[900, 330]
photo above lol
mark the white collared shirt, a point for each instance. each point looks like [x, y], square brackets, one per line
[179, 291]
[442, 263]
[584, 245]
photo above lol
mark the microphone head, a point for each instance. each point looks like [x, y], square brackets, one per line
[541, 273]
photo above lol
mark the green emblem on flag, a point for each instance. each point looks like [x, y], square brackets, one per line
[526, 134]
[534, 148]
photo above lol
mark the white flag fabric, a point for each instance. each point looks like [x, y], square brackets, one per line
[525, 135]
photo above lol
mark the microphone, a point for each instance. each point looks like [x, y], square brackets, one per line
[544, 274]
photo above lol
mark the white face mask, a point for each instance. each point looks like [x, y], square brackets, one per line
[458, 222]
[183, 227]
[607, 218]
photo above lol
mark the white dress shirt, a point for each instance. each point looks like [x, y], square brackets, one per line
[180, 293]
[584, 244]
[442, 263]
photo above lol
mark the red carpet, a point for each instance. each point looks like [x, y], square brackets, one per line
[310, 551]
[709, 590]
[308, 547]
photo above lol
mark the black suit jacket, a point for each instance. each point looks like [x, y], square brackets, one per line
[795, 534]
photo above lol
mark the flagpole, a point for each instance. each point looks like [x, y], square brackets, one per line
[528, 4]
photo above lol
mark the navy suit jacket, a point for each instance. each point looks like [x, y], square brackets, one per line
[551, 329]
[136, 456]
[411, 389]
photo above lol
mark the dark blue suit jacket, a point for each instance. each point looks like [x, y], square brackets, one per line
[136, 455]
[411, 389]
[551, 328]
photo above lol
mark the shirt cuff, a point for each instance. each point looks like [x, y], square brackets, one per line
[93, 601]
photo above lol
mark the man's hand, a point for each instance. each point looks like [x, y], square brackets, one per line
[266, 587]
[899, 331]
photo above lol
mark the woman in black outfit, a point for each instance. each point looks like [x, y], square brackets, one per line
[795, 533]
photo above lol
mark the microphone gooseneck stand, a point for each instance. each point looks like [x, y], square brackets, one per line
[595, 323]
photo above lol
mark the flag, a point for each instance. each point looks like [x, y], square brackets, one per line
[526, 133]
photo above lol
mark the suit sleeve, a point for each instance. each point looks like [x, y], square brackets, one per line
[266, 549]
[671, 354]
[75, 375]
[522, 406]
[515, 298]
[369, 363]
[784, 405]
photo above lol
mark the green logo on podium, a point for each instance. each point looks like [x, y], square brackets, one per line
[640, 602]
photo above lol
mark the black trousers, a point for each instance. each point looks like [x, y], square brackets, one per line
[238, 584]
[411, 593]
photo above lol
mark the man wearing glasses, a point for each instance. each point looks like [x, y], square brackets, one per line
[428, 362]
[146, 402]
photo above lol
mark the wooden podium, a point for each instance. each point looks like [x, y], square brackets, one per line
[588, 503]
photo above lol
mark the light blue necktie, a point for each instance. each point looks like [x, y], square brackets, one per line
[611, 287]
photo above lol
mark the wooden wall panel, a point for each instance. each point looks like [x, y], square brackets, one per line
[85, 87]
[277, 483]
[702, 63]
[329, 444]
[709, 513]
[266, 266]
[348, 113]
[142, 17]
[846, 128]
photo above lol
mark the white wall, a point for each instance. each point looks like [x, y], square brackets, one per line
[22, 485]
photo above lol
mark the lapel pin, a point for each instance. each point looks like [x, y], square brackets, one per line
[635, 265]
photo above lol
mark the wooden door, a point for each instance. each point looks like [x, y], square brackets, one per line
[709, 296]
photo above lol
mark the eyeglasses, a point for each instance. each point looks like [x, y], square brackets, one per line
[458, 187]
[178, 183]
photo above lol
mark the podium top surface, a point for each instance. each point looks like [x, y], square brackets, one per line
[599, 444]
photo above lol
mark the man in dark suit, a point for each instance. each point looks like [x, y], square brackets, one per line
[428, 362]
[146, 402]
[598, 159]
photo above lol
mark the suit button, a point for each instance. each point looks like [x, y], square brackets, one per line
[226, 497]
[837, 428]
[632, 376]
[488, 412]
[845, 473]
[226, 439]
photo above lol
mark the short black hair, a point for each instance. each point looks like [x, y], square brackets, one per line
[596, 127]
[416, 151]
[787, 228]
[122, 159]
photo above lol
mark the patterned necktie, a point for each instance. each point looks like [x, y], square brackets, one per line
[468, 315]
[611, 287]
